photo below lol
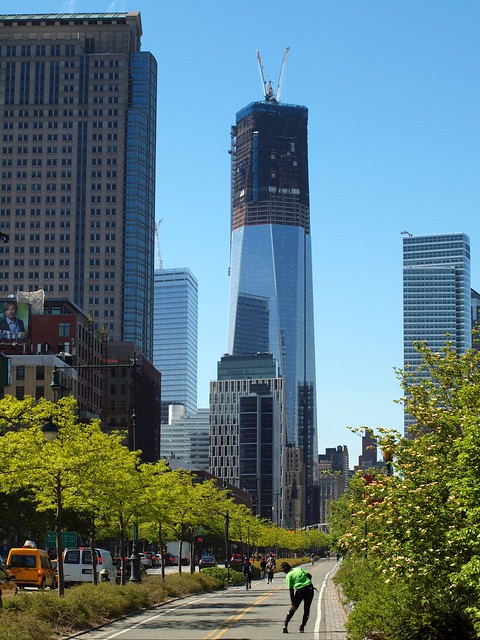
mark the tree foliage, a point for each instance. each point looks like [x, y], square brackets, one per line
[414, 536]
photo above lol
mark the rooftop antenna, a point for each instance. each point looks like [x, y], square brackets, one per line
[157, 238]
[268, 93]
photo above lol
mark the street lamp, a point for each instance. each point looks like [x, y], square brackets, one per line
[50, 431]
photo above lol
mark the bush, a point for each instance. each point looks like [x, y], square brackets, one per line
[394, 610]
[43, 615]
[235, 577]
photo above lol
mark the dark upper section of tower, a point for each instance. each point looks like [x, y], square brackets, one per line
[270, 166]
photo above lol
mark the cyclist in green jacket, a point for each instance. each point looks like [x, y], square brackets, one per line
[301, 588]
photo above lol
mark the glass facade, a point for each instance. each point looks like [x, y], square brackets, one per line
[436, 294]
[175, 336]
[187, 438]
[140, 201]
[271, 259]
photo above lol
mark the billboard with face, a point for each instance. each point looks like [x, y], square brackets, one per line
[14, 320]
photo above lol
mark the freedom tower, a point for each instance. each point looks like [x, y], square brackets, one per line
[271, 293]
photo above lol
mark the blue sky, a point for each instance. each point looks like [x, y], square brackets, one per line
[393, 95]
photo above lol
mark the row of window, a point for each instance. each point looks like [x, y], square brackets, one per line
[108, 199]
[38, 50]
[109, 224]
[55, 149]
[54, 124]
[52, 162]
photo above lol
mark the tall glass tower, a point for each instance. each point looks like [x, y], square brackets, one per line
[78, 165]
[436, 295]
[271, 262]
[175, 339]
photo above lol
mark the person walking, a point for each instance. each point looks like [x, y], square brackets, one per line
[263, 565]
[299, 583]
[270, 567]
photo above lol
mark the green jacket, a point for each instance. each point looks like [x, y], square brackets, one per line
[297, 578]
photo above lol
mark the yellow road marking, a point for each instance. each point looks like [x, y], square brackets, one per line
[231, 620]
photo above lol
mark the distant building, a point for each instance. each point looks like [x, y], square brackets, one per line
[333, 477]
[436, 295]
[247, 429]
[186, 437]
[175, 337]
[476, 319]
[369, 457]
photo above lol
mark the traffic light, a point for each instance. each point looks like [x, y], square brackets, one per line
[4, 237]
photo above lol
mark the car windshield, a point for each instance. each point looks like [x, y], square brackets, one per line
[25, 561]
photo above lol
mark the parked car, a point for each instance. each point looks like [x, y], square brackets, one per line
[236, 560]
[207, 561]
[31, 567]
[170, 560]
[8, 586]
[146, 560]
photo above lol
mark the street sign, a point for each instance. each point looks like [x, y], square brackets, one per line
[69, 539]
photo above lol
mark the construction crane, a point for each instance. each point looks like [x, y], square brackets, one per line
[269, 94]
[157, 239]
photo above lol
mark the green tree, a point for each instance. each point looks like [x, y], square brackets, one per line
[413, 536]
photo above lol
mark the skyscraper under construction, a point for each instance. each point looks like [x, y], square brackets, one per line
[271, 266]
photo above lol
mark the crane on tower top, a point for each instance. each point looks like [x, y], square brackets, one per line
[269, 94]
[157, 239]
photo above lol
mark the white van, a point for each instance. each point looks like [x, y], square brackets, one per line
[77, 565]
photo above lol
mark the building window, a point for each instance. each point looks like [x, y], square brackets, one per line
[20, 373]
[64, 329]
[40, 373]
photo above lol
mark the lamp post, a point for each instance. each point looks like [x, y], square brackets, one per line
[227, 555]
[50, 431]
[135, 565]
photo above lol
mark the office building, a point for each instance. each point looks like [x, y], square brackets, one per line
[132, 399]
[78, 122]
[186, 437]
[175, 339]
[334, 476]
[247, 430]
[271, 263]
[436, 295]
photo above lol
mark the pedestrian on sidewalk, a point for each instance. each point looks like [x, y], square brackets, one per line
[299, 583]
[270, 567]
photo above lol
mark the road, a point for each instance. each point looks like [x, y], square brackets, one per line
[233, 614]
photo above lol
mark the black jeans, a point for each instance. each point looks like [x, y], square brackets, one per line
[304, 594]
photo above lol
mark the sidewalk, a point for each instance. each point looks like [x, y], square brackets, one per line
[335, 614]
